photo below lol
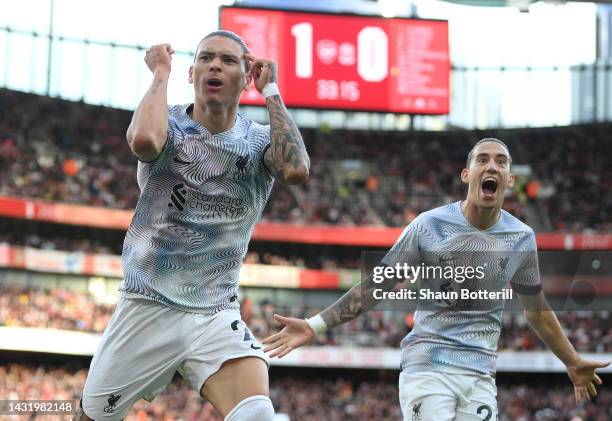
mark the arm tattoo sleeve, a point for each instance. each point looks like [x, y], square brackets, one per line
[287, 154]
[356, 301]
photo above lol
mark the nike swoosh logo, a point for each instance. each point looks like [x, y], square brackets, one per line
[176, 159]
[255, 347]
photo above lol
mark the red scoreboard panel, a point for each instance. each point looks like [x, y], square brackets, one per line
[349, 62]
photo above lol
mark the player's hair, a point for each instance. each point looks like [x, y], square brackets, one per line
[227, 34]
[487, 139]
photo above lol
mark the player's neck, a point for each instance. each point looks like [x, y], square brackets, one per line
[215, 119]
[478, 217]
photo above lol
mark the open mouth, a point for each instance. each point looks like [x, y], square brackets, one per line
[214, 83]
[489, 186]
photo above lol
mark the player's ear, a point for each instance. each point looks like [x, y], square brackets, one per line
[465, 174]
[191, 74]
[511, 180]
[247, 81]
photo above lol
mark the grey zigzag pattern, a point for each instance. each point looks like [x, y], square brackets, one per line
[448, 336]
[199, 202]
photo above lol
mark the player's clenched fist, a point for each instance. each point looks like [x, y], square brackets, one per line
[262, 71]
[158, 57]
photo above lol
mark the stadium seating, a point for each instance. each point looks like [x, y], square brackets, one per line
[589, 331]
[331, 399]
[77, 154]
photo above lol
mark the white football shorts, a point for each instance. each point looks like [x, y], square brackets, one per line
[440, 396]
[145, 343]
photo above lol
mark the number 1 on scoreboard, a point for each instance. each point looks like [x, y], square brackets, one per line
[303, 49]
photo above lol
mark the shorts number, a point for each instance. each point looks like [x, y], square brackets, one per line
[487, 410]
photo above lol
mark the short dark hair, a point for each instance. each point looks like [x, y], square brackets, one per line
[227, 34]
[487, 139]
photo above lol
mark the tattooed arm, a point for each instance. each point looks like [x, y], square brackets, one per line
[147, 132]
[359, 299]
[356, 301]
[286, 158]
[298, 332]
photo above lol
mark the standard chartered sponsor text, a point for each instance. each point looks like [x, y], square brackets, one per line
[217, 204]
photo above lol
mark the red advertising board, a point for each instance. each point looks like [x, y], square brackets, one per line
[349, 62]
[89, 216]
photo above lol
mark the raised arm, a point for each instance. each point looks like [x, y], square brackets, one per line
[147, 132]
[286, 158]
[545, 324]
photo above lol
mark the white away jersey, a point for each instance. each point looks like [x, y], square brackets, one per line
[462, 336]
[199, 202]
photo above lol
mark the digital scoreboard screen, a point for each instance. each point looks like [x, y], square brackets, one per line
[349, 62]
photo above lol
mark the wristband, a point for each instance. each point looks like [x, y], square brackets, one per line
[317, 324]
[270, 89]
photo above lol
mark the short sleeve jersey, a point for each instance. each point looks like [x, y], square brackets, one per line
[199, 202]
[451, 336]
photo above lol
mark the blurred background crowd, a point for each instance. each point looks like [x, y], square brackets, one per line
[302, 398]
[78, 154]
[589, 331]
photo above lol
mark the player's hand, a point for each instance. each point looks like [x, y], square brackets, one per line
[585, 379]
[261, 71]
[297, 332]
[159, 57]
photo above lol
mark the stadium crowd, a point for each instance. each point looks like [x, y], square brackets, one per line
[57, 308]
[306, 258]
[304, 399]
[78, 154]
[82, 245]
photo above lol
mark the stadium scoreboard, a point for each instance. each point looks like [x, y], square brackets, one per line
[349, 62]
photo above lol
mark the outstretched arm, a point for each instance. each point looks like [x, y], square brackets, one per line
[286, 158]
[299, 332]
[544, 322]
